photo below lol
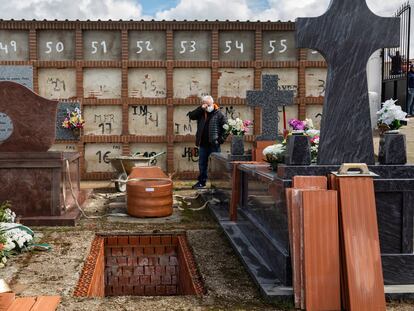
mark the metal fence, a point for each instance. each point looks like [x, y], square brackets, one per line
[396, 61]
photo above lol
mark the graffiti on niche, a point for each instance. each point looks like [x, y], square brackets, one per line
[103, 155]
[58, 85]
[147, 154]
[149, 117]
[104, 122]
[191, 154]
[149, 87]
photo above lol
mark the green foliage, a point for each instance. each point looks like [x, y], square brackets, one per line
[6, 205]
[6, 214]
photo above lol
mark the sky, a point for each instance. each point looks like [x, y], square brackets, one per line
[176, 9]
[252, 10]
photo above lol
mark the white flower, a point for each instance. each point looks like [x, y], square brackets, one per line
[20, 241]
[267, 150]
[274, 150]
[9, 215]
[4, 260]
[9, 245]
[15, 235]
[391, 112]
[309, 123]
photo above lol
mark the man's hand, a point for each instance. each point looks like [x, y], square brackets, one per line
[204, 106]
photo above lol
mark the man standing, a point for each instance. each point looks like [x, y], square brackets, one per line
[210, 134]
[396, 62]
[410, 103]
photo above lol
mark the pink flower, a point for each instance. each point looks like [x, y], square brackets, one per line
[315, 140]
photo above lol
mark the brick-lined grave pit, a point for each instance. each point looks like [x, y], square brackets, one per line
[139, 265]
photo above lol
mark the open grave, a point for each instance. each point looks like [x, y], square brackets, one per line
[139, 265]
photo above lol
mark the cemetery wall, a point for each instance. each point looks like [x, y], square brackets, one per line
[136, 81]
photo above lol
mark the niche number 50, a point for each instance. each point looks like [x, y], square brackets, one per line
[59, 47]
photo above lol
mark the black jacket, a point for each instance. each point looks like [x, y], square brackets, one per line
[216, 135]
[411, 79]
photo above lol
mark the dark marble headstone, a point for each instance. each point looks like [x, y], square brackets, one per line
[347, 35]
[392, 149]
[298, 150]
[62, 133]
[18, 74]
[270, 99]
[28, 121]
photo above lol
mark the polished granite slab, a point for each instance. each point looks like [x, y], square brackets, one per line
[347, 34]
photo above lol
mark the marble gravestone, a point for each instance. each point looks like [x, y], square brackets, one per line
[270, 99]
[18, 74]
[35, 181]
[24, 75]
[347, 35]
[28, 121]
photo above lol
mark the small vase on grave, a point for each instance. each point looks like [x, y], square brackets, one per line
[298, 151]
[237, 145]
[392, 148]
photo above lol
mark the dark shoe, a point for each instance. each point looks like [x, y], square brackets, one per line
[199, 185]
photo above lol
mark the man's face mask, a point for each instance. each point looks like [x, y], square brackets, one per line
[210, 108]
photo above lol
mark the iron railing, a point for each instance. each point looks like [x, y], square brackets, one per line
[396, 61]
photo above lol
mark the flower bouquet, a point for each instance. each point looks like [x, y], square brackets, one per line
[74, 121]
[390, 117]
[297, 126]
[237, 127]
[14, 238]
[275, 154]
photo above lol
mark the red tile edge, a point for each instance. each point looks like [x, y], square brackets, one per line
[195, 277]
[85, 284]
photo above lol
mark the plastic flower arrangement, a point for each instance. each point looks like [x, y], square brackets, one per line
[297, 125]
[237, 126]
[314, 147]
[275, 154]
[6, 214]
[302, 126]
[73, 120]
[390, 116]
[14, 238]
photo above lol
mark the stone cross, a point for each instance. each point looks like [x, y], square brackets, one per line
[270, 99]
[347, 35]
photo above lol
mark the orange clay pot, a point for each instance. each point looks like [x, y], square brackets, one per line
[149, 193]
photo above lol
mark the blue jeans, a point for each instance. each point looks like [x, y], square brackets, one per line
[410, 104]
[204, 154]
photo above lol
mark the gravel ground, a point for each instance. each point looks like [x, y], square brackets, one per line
[57, 272]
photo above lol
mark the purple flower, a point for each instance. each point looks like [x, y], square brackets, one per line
[297, 125]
